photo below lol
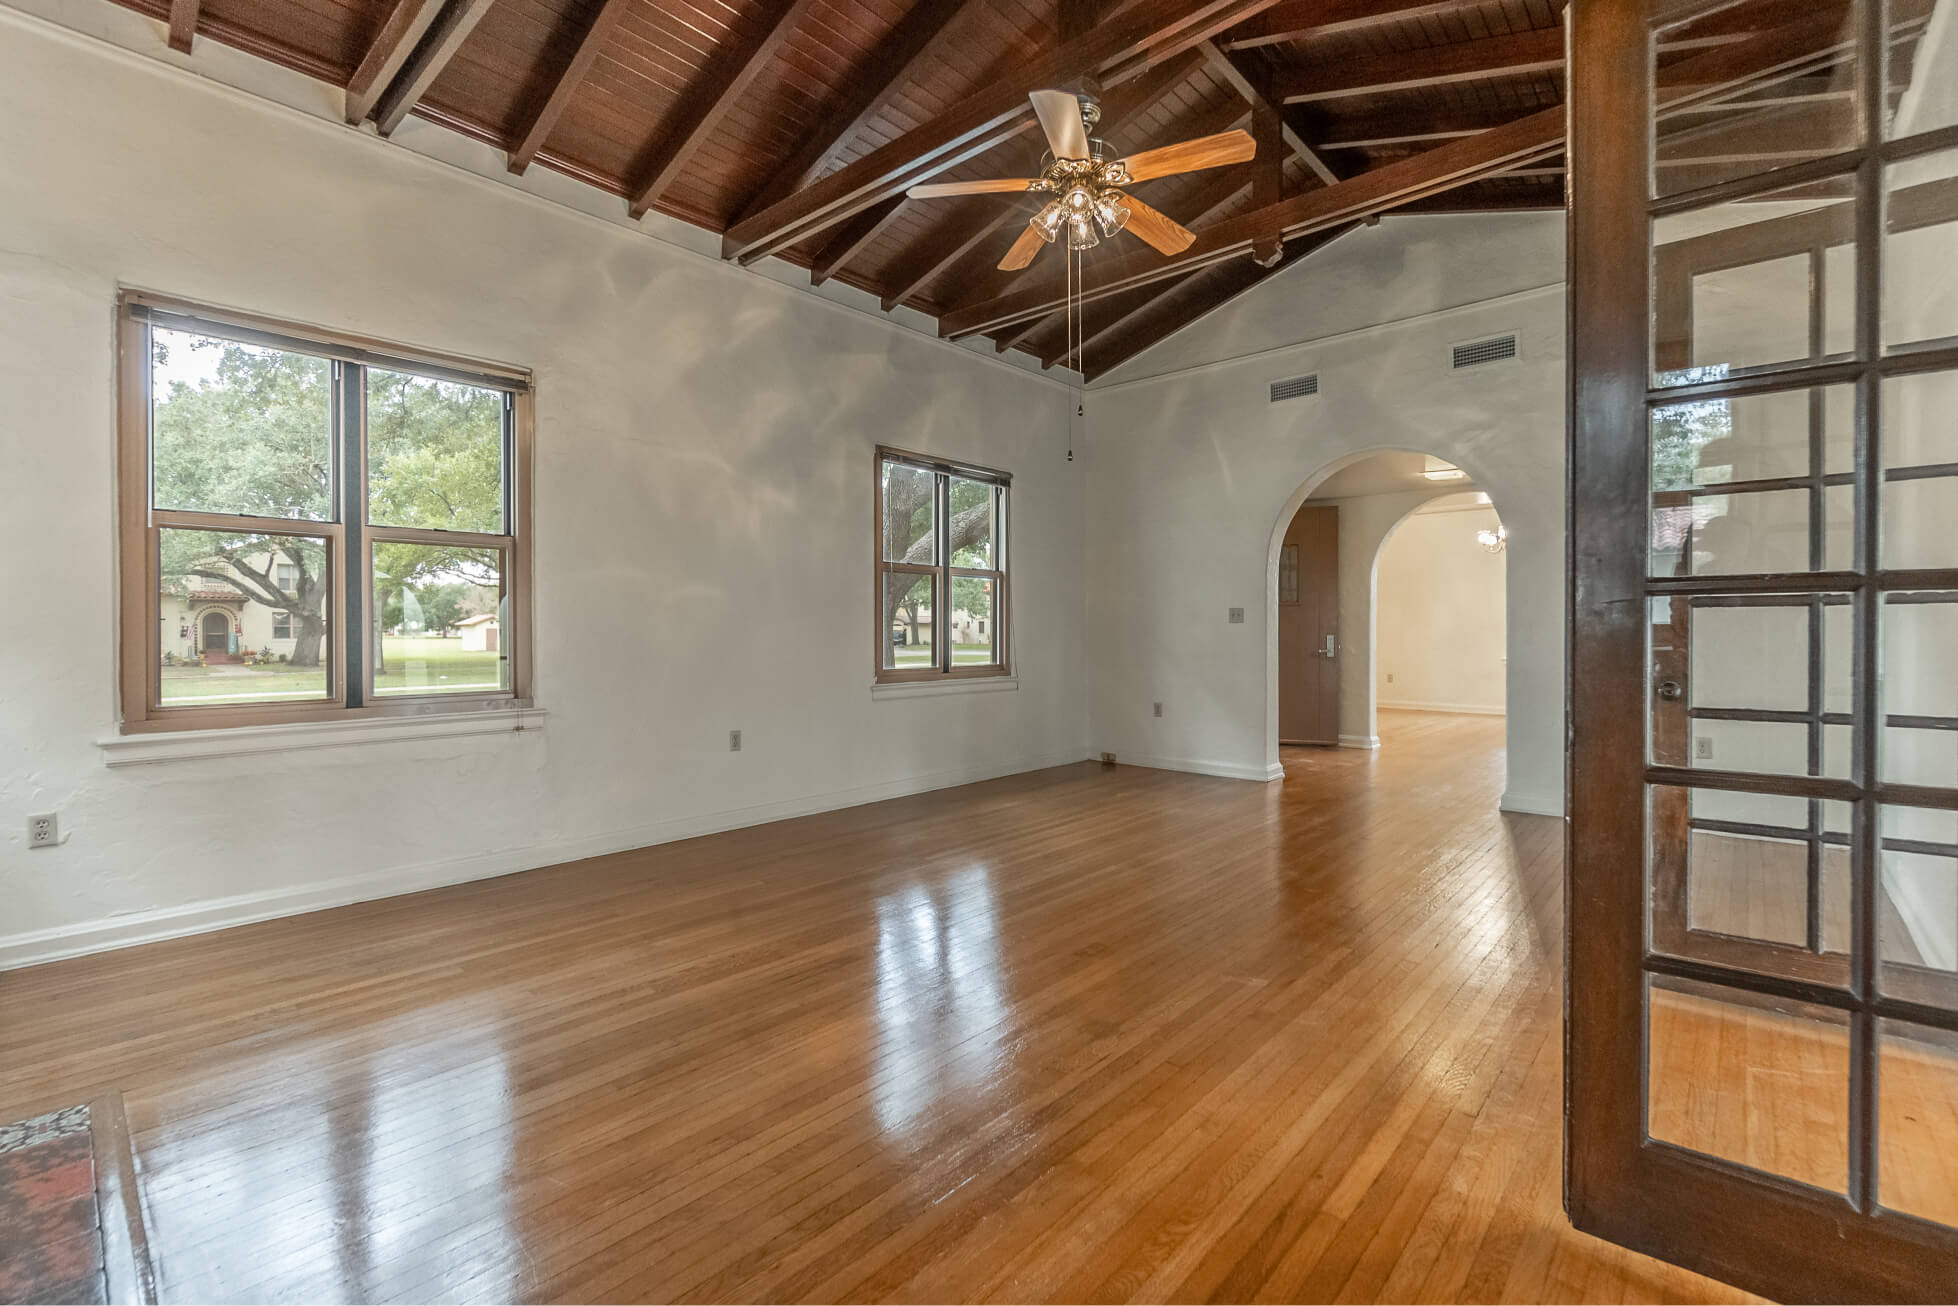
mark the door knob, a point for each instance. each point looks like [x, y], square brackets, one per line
[1670, 690]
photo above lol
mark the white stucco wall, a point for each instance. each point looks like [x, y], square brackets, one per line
[703, 501]
[1193, 473]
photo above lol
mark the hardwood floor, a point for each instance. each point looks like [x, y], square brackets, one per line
[1084, 1035]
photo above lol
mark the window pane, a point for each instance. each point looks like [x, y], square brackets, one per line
[1920, 240]
[231, 631]
[238, 429]
[1917, 1119]
[434, 454]
[1700, 446]
[1769, 123]
[1723, 889]
[908, 619]
[1917, 904]
[1739, 285]
[1920, 454]
[975, 632]
[909, 512]
[441, 620]
[972, 527]
[1760, 1081]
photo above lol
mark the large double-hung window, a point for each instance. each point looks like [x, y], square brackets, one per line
[315, 526]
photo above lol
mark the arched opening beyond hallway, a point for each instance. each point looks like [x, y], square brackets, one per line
[1390, 596]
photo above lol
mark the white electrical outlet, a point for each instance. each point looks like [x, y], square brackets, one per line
[1702, 748]
[734, 741]
[1237, 616]
[43, 831]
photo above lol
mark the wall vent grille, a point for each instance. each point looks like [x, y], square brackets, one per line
[1297, 387]
[1485, 351]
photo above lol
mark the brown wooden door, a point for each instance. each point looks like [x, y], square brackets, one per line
[1761, 1077]
[1308, 628]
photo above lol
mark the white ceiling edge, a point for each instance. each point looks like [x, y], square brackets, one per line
[125, 33]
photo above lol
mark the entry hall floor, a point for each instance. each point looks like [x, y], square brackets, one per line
[1082, 1034]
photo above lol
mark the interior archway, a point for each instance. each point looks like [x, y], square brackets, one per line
[1378, 492]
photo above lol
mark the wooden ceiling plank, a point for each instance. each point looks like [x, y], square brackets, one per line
[853, 238]
[866, 94]
[727, 78]
[406, 24]
[1119, 49]
[1431, 172]
[1437, 65]
[1254, 86]
[1300, 18]
[183, 24]
[566, 84]
[458, 19]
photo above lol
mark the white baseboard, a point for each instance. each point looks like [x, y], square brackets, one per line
[1462, 709]
[1533, 804]
[1359, 741]
[36, 946]
[1226, 770]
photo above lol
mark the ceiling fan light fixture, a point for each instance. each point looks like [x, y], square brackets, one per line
[1049, 220]
[1111, 215]
[1081, 233]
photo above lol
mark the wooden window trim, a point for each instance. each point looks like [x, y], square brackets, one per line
[139, 608]
[943, 572]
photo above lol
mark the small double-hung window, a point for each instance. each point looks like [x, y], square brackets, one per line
[315, 527]
[941, 604]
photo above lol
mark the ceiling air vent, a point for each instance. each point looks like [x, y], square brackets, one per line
[1485, 351]
[1297, 387]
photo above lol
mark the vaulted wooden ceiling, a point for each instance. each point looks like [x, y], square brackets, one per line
[792, 127]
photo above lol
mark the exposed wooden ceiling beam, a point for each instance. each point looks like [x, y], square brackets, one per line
[1117, 49]
[865, 94]
[852, 238]
[1391, 185]
[450, 30]
[943, 249]
[1255, 87]
[728, 76]
[1299, 18]
[1439, 65]
[183, 24]
[1237, 280]
[1440, 168]
[566, 85]
[392, 45]
[1372, 132]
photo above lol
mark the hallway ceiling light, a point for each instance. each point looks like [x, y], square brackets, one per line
[1494, 541]
[1437, 470]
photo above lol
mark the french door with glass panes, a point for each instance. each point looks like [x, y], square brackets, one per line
[1762, 1003]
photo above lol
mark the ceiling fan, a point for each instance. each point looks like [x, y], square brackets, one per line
[1087, 203]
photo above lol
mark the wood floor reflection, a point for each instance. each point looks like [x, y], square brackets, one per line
[1079, 1035]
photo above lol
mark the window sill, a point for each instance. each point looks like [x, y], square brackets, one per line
[243, 741]
[949, 685]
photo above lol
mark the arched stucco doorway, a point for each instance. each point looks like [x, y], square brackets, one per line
[1380, 490]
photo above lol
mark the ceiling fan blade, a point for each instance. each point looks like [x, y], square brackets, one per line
[990, 186]
[1060, 118]
[1166, 234]
[1023, 250]
[1192, 156]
